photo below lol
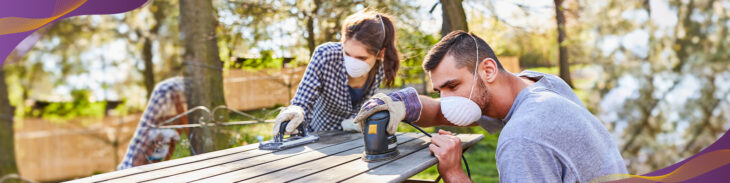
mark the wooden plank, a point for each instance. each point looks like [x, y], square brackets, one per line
[282, 170]
[251, 166]
[356, 168]
[323, 164]
[326, 140]
[421, 160]
[333, 158]
[166, 164]
[182, 161]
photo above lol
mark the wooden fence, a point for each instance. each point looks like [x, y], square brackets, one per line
[54, 151]
[510, 63]
[250, 90]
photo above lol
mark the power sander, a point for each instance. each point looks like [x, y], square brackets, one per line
[379, 145]
[281, 143]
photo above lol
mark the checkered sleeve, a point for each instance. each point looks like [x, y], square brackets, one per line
[159, 104]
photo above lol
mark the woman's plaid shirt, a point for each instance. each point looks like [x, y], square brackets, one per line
[323, 92]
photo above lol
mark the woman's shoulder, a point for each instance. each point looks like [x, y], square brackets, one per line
[329, 48]
[327, 53]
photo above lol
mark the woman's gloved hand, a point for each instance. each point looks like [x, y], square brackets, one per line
[403, 105]
[294, 114]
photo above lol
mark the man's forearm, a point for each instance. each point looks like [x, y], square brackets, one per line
[459, 176]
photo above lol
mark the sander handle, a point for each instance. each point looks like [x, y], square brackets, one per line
[282, 130]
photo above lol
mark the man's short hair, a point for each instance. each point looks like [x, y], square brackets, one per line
[460, 45]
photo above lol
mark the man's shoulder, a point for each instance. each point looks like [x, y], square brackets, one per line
[543, 100]
[544, 114]
[553, 84]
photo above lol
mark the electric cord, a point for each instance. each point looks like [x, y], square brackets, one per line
[468, 172]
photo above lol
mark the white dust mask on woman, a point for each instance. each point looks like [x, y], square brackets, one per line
[459, 110]
[356, 68]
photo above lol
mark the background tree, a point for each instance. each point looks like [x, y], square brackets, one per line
[158, 13]
[294, 28]
[663, 82]
[563, 62]
[454, 17]
[202, 68]
[7, 147]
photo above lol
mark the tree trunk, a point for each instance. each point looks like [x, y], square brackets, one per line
[311, 41]
[149, 73]
[453, 15]
[7, 147]
[202, 69]
[563, 50]
[310, 35]
[329, 35]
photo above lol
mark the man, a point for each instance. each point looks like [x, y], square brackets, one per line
[548, 134]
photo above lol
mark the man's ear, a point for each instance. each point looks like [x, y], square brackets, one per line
[489, 70]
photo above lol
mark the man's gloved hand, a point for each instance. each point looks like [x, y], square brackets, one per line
[294, 114]
[403, 105]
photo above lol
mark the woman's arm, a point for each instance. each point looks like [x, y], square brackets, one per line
[308, 90]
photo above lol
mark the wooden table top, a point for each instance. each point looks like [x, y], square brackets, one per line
[336, 157]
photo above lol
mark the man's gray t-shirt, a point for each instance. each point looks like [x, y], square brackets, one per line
[549, 136]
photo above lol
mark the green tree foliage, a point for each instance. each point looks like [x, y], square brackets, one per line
[667, 100]
[79, 106]
[293, 28]
[414, 46]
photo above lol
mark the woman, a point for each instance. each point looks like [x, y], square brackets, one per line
[342, 75]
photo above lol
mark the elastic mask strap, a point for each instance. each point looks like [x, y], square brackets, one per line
[382, 24]
[475, 65]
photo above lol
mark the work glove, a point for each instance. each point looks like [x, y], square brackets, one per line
[294, 114]
[162, 140]
[349, 125]
[403, 105]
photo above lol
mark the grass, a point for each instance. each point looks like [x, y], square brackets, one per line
[480, 157]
